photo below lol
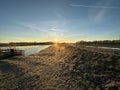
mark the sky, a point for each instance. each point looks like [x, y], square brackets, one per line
[66, 20]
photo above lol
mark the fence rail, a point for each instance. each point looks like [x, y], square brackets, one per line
[5, 53]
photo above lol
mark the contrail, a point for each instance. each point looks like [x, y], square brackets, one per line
[90, 6]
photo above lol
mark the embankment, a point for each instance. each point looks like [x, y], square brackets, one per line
[62, 67]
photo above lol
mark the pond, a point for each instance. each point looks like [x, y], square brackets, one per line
[29, 50]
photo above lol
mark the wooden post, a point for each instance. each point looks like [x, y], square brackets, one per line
[12, 52]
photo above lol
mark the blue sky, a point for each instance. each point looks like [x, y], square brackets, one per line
[67, 20]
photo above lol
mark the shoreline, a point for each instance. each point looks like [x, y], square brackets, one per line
[62, 67]
[27, 50]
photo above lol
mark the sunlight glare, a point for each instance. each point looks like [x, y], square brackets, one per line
[56, 40]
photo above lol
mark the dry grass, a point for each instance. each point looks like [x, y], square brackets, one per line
[61, 67]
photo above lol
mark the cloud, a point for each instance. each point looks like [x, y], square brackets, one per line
[34, 28]
[48, 30]
[58, 30]
[99, 16]
[19, 38]
[92, 6]
[76, 35]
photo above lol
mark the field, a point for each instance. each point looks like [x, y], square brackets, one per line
[62, 67]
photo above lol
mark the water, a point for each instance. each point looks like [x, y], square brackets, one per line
[29, 50]
[105, 47]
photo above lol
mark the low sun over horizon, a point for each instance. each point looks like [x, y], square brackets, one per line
[59, 20]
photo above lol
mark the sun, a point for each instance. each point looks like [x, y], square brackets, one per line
[56, 40]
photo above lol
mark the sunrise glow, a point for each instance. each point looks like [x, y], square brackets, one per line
[56, 40]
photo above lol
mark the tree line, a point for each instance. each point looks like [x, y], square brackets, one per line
[25, 43]
[106, 43]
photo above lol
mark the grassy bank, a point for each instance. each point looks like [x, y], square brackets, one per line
[95, 69]
[62, 67]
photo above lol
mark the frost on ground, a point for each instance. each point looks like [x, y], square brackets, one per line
[61, 68]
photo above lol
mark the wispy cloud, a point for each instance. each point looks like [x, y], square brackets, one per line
[92, 6]
[99, 16]
[48, 30]
[58, 30]
[75, 35]
[19, 38]
[34, 28]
